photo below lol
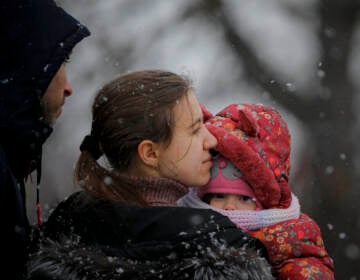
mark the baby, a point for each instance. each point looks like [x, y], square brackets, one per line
[249, 184]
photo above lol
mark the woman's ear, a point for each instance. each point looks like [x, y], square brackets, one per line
[148, 152]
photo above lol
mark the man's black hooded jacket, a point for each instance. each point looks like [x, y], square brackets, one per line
[36, 38]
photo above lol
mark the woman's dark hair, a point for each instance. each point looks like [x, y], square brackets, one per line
[127, 110]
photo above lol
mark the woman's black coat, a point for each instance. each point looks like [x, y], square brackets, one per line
[92, 237]
[36, 38]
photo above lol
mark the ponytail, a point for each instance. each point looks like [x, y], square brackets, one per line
[103, 183]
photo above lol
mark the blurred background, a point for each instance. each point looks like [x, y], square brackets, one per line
[302, 57]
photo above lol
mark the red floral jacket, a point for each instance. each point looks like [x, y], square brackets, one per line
[296, 250]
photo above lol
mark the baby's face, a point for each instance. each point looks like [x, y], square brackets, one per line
[232, 202]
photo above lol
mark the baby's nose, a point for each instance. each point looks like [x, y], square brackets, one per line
[230, 205]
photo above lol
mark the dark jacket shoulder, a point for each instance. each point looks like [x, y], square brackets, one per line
[113, 223]
[171, 241]
[70, 259]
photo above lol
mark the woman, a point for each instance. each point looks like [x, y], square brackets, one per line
[148, 125]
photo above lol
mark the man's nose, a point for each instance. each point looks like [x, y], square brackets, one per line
[68, 89]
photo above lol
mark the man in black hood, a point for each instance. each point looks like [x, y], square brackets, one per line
[37, 37]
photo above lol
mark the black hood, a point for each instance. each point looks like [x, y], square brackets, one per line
[36, 38]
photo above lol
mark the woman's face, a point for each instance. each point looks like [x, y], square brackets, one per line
[187, 159]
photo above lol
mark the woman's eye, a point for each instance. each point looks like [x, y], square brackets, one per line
[197, 130]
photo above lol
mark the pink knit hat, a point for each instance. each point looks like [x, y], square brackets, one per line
[225, 178]
[256, 140]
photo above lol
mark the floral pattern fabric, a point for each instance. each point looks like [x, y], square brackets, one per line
[296, 250]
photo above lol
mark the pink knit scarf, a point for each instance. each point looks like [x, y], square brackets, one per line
[159, 191]
[247, 219]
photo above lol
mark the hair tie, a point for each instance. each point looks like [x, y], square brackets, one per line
[91, 145]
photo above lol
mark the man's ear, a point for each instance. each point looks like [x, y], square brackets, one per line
[148, 152]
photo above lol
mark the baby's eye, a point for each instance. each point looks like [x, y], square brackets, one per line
[246, 199]
[219, 195]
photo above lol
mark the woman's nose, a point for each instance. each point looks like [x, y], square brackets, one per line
[210, 140]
